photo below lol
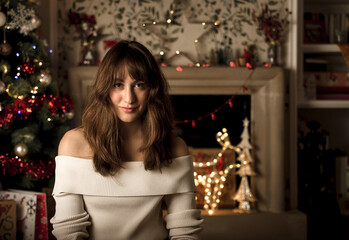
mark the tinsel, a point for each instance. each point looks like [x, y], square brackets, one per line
[12, 166]
[60, 104]
[6, 116]
[22, 108]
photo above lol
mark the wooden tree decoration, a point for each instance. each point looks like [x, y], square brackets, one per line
[244, 195]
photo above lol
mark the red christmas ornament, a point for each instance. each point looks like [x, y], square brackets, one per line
[28, 68]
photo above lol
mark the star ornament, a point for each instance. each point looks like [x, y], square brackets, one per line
[185, 44]
[190, 43]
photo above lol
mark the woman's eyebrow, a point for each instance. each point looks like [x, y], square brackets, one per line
[118, 79]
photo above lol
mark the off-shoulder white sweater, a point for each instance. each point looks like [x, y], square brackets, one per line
[126, 206]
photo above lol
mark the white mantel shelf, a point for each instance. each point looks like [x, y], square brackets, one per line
[213, 80]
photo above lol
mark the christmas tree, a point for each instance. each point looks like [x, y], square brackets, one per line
[34, 114]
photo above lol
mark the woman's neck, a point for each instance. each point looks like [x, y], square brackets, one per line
[131, 130]
[132, 136]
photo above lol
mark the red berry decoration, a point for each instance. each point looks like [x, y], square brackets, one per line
[28, 67]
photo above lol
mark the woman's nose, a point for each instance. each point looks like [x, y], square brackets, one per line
[129, 95]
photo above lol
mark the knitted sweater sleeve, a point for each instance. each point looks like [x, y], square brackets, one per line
[183, 219]
[71, 220]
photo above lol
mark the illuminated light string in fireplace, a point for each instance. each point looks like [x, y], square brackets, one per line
[212, 114]
[213, 181]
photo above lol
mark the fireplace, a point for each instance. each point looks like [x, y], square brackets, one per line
[266, 89]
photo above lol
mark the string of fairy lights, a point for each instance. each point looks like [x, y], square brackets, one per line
[214, 181]
[208, 26]
[213, 113]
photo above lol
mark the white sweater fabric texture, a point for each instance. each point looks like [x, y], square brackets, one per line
[126, 206]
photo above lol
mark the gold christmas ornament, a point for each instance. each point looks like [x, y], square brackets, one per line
[2, 87]
[2, 19]
[5, 49]
[70, 115]
[21, 150]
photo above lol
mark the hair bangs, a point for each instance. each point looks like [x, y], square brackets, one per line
[137, 68]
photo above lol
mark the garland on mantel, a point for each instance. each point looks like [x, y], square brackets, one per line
[213, 113]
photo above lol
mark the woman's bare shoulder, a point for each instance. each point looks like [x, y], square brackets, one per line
[74, 144]
[178, 146]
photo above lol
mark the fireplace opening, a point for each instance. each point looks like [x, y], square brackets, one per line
[203, 134]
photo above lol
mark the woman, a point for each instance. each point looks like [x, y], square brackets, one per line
[115, 173]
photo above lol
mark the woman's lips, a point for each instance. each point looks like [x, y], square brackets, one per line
[127, 109]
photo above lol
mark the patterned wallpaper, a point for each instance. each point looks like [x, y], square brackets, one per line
[133, 19]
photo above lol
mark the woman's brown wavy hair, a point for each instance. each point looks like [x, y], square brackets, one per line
[101, 124]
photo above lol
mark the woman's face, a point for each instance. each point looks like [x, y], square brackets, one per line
[130, 98]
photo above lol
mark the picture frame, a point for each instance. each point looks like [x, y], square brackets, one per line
[315, 31]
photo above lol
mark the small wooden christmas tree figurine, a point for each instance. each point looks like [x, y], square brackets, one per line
[244, 195]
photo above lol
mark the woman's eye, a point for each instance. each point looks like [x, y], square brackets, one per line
[117, 85]
[140, 85]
